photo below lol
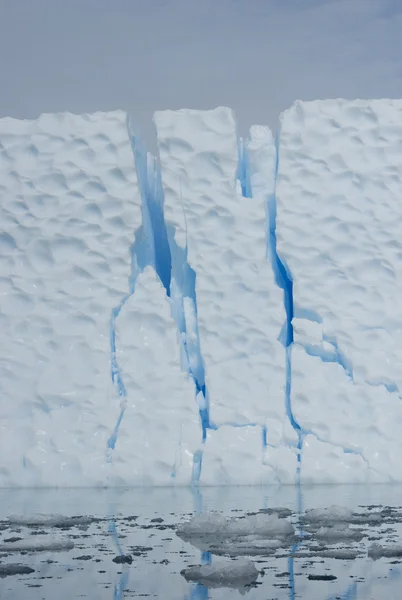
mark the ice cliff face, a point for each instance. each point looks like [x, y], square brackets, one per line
[227, 314]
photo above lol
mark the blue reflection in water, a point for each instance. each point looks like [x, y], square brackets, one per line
[295, 547]
[199, 591]
[122, 582]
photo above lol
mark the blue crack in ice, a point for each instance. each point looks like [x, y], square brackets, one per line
[179, 280]
[284, 280]
[152, 247]
[243, 170]
[185, 278]
[142, 254]
[184, 291]
[334, 355]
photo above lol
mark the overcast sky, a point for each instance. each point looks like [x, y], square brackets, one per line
[256, 56]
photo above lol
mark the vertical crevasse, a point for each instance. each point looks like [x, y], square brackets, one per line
[154, 246]
[243, 171]
[282, 275]
[142, 254]
[284, 280]
[178, 278]
[150, 184]
[183, 299]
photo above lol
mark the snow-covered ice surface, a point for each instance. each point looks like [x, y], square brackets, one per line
[339, 222]
[120, 544]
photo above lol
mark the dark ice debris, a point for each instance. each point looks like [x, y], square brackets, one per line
[15, 569]
[124, 559]
[322, 577]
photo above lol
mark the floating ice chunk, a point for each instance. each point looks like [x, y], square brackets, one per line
[53, 520]
[377, 551]
[262, 525]
[332, 513]
[235, 573]
[52, 545]
[339, 532]
[204, 524]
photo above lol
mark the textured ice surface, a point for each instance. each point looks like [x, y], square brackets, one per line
[339, 218]
[222, 237]
[70, 206]
[72, 237]
[228, 316]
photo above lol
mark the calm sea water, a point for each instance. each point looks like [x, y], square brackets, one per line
[141, 523]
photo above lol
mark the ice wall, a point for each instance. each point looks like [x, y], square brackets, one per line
[339, 190]
[228, 315]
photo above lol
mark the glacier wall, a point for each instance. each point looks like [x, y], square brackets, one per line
[225, 314]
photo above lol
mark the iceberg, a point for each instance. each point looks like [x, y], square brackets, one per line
[223, 314]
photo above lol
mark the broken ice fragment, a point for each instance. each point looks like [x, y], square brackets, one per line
[236, 573]
[332, 513]
[377, 551]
